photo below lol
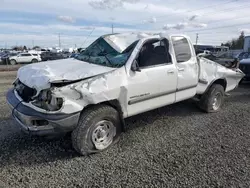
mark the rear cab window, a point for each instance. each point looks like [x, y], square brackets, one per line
[182, 49]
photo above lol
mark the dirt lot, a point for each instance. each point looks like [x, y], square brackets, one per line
[175, 146]
[4, 68]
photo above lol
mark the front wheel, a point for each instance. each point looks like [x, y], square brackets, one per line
[13, 62]
[97, 129]
[213, 99]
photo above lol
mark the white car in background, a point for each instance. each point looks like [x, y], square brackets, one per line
[25, 58]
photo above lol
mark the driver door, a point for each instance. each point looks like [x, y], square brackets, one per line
[155, 84]
[20, 58]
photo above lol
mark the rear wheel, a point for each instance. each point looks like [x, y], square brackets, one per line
[97, 129]
[13, 62]
[213, 99]
[34, 61]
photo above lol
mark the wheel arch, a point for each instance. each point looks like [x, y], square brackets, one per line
[34, 59]
[113, 103]
[220, 81]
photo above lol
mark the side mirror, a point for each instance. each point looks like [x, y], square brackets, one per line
[135, 66]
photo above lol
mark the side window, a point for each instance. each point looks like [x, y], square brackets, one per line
[25, 55]
[182, 49]
[154, 52]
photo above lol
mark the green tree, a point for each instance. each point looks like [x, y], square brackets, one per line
[235, 44]
[240, 42]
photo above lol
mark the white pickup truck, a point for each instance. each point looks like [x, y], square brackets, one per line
[117, 76]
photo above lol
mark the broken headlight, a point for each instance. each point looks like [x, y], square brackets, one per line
[47, 101]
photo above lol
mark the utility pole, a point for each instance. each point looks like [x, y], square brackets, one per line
[59, 37]
[112, 26]
[32, 43]
[197, 38]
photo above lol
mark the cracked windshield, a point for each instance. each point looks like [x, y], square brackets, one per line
[101, 52]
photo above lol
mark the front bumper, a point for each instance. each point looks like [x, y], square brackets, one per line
[38, 123]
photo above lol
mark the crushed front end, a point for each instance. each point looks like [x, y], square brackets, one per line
[39, 114]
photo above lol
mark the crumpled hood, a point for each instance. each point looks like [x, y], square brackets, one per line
[40, 75]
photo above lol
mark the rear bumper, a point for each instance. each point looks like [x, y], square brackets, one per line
[36, 123]
[246, 77]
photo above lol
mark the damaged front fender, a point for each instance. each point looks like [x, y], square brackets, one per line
[95, 90]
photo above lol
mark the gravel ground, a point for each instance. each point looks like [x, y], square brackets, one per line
[174, 146]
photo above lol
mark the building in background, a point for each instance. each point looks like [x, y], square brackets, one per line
[246, 44]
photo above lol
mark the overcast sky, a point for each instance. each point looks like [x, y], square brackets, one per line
[38, 22]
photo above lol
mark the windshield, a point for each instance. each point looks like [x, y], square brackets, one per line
[101, 53]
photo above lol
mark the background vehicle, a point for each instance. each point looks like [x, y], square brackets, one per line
[225, 61]
[116, 77]
[74, 55]
[24, 58]
[45, 56]
[66, 54]
[243, 55]
[2, 57]
[5, 57]
[215, 50]
[245, 67]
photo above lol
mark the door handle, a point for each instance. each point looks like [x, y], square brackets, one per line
[171, 71]
[181, 69]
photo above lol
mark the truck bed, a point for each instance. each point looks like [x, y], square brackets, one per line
[209, 71]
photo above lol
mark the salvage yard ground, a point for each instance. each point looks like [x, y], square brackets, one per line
[174, 146]
[4, 68]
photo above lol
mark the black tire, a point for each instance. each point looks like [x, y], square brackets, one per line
[82, 136]
[34, 61]
[208, 99]
[13, 62]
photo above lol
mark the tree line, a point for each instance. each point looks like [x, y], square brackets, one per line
[236, 43]
[24, 48]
